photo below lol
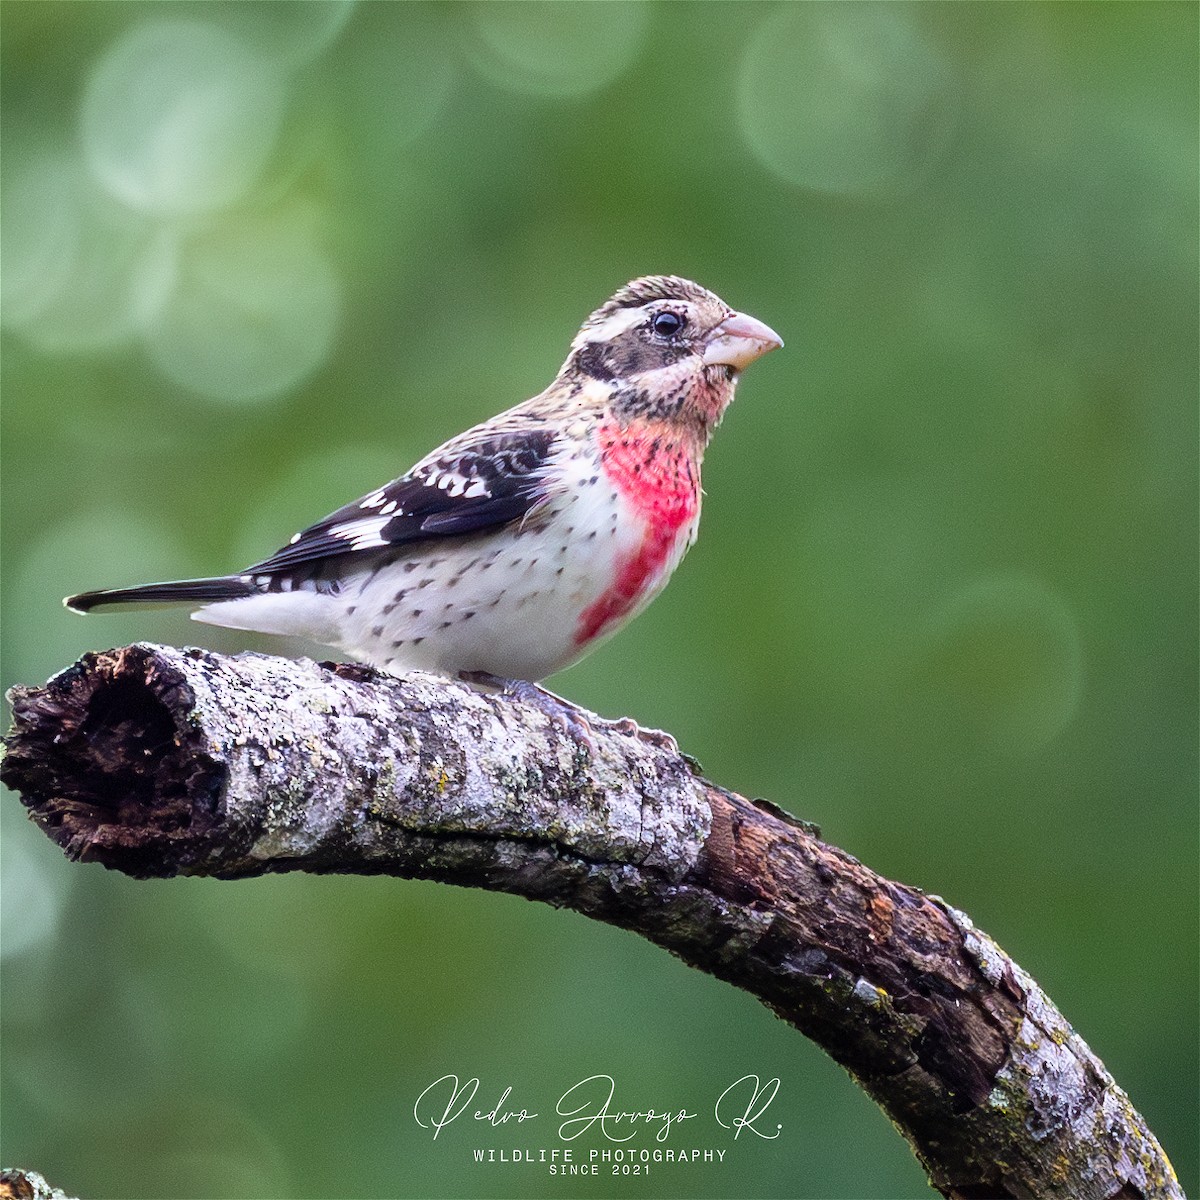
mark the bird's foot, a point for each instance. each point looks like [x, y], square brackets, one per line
[563, 715]
[568, 717]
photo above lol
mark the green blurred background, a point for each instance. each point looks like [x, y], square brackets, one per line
[260, 258]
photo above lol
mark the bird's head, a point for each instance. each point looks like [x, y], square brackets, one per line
[665, 348]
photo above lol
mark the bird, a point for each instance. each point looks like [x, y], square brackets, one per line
[517, 547]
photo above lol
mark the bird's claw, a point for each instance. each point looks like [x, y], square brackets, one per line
[562, 714]
[656, 737]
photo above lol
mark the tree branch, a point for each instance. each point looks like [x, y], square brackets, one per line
[16, 1184]
[157, 762]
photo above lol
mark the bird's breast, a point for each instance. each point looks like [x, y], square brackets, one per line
[654, 469]
[655, 477]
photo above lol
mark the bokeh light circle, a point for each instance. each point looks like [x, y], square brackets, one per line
[290, 32]
[846, 98]
[81, 272]
[556, 49]
[39, 234]
[179, 117]
[1003, 655]
[255, 309]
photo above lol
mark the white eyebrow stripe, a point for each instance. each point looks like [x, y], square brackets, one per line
[620, 322]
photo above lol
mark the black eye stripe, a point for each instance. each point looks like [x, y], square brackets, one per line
[627, 355]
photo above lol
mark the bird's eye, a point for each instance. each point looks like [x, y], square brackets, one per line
[667, 324]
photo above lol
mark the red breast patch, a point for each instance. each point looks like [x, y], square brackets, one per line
[658, 476]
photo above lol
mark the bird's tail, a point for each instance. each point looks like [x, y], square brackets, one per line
[182, 591]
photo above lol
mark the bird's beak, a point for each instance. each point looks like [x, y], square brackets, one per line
[738, 341]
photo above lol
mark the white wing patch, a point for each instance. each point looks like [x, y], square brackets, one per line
[362, 533]
[474, 485]
[454, 483]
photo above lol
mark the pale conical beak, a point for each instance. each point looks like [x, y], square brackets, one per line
[738, 341]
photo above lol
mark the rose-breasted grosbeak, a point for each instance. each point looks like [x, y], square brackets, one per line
[515, 548]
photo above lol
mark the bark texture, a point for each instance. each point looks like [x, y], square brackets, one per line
[16, 1184]
[157, 761]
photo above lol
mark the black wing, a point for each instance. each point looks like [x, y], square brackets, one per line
[463, 489]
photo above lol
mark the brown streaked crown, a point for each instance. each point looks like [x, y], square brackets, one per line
[650, 288]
